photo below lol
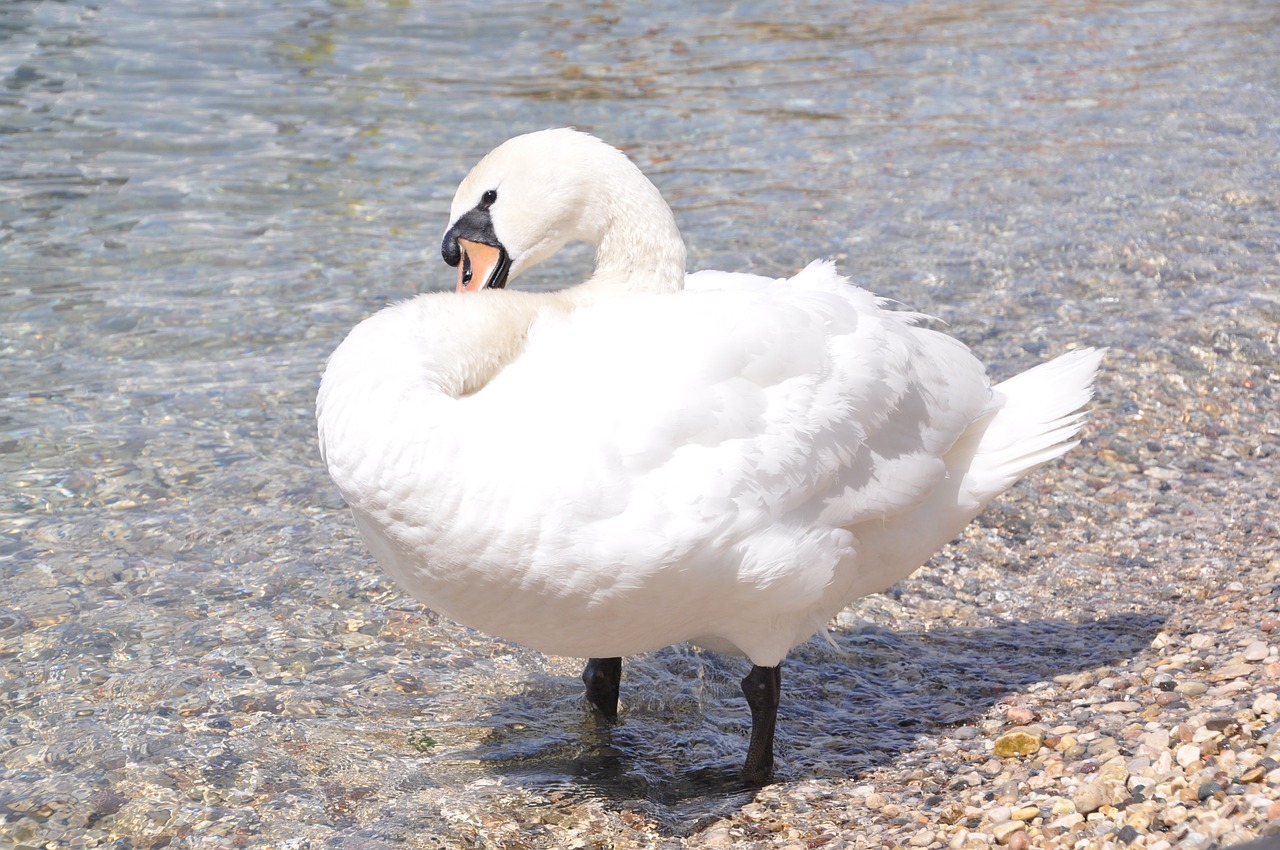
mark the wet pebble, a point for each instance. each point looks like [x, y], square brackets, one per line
[1019, 741]
[1257, 651]
[1188, 754]
[1004, 832]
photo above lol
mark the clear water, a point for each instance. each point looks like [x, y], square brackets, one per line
[197, 201]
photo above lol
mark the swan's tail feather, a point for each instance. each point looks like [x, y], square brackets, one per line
[1037, 421]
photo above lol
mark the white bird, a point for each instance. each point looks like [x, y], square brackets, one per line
[648, 458]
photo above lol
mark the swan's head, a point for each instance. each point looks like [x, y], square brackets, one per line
[531, 196]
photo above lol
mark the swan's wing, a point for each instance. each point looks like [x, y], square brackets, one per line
[744, 424]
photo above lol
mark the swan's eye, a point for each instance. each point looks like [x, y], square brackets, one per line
[487, 199]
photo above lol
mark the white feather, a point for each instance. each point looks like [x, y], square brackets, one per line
[626, 465]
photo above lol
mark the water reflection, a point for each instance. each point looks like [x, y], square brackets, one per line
[847, 710]
[197, 201]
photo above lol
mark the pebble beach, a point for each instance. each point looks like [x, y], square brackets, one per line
[196, 650]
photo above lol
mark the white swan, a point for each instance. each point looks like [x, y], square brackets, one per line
[646, 458]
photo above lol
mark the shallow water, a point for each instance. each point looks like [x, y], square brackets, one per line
[197, 202]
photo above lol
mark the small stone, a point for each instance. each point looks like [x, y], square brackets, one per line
[1065, 822]
[1120, 707]
[1208, 789]
[718, 837]
[1026, 813]
[1090, 798]
[1005, 831]
[1191, 689]
[1273, 811]
[1266, 704]
[1114, 772]
[922, 838]
[1126, 834]
[1226, 725]
[1019, 741]
[1019, 841]
[1254, 774]
[1081, 681]
[1138, 816]
[1187, 754]
[1108, 789]
[1164, 682]
[1204, 733]
[999, 814]
[1231, 670]
[1257, 651]
[1020, 716]
[1154, 742]
[1062, 806]
[874, 801]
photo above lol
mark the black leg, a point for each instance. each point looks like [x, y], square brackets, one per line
[763, 689]
[601, 678]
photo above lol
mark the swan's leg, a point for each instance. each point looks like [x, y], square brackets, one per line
[601, 678]
[763, 689]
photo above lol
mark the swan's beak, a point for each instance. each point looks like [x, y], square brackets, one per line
[481, 266]
[472, 246]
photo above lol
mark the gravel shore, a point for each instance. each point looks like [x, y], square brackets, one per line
[198, 201]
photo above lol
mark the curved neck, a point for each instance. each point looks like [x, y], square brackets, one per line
[638, 246]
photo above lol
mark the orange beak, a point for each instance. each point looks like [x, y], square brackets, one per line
[476, 265]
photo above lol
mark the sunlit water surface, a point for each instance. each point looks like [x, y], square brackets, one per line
[198, 200]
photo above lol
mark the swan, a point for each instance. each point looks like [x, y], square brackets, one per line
[647, 458]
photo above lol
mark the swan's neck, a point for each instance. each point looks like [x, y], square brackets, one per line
[638, 246]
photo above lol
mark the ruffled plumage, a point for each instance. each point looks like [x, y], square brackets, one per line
[717, 465]
[630, 464]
